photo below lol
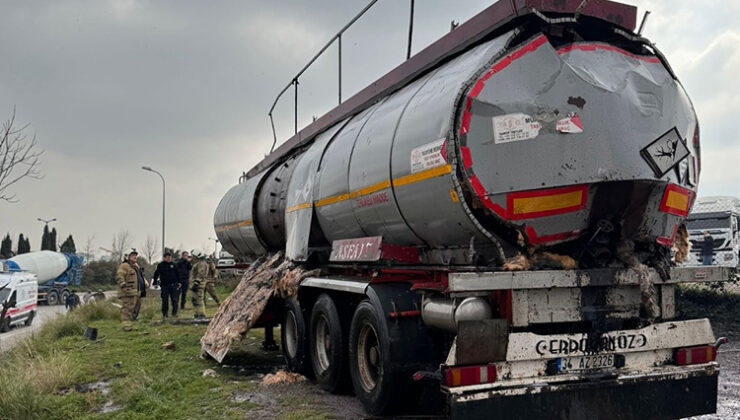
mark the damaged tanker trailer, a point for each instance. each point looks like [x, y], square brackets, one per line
[494, 219]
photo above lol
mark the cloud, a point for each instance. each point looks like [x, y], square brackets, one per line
[184, 86]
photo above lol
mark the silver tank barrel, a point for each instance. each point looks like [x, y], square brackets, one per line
[518, 137]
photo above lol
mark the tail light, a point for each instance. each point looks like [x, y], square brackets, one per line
[696, 355]
[676, 201]
[470, 375]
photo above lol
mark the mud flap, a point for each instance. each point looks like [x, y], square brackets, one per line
[640, 397]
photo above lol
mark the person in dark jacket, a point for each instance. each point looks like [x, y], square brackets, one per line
[168, 276]
[183, 269]
[707, 249]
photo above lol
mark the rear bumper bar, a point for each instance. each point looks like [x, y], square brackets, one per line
[652, 396]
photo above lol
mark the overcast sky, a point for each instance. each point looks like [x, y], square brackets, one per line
[185, 86]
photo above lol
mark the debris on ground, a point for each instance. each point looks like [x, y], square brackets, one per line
[91, 333]
[267, 276]
[209, 373]
[190, 321]
[282, 377]
[170, 345]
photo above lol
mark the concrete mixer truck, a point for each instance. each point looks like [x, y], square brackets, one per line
[495, 217]
[55, 272]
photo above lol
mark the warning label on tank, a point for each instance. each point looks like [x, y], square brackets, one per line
[571, 124]
[514, 127]
[430, 155]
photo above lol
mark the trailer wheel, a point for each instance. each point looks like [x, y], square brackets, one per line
[328, 346]
[5, 326]
[374, 377]
[29, 321]
[52, 298]
[294, 338]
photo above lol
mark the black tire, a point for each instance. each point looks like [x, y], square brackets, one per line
[376, 380]
[294, 338]
[52, 298]
[29, 320]
[328, 346]
[5, 325]
[64, 297]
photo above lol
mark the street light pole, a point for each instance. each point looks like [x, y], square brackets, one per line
[147, 168]
[46, 222]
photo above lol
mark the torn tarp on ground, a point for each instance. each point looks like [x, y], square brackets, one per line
[267, 276]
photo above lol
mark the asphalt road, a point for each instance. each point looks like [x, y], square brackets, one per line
[18, 333]
[43, 315]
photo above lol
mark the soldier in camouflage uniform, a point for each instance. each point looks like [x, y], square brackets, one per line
[198, 280]
[213, 276]
[131, 285]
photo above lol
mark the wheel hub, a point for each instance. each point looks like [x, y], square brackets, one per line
[291, 334]
[323, 344]
[369, 357]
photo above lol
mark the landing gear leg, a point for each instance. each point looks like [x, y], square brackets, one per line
[269, 344]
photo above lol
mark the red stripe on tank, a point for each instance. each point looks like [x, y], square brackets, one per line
[483, 195]
[556, 237]
[466, 158]
[502, 64]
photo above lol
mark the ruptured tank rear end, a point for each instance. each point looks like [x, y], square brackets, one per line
[570, 135]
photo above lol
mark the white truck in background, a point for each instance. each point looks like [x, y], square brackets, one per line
[718, 216]
[18, 290]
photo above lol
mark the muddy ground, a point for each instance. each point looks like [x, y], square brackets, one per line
[297, 400]
[307, 400]
[723, 310]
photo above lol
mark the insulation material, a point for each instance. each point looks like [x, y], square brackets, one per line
[517, 263]
[648, 294]
[266, 277]
[540, 261]
[282, 377]
[681, 245]
[549, 260]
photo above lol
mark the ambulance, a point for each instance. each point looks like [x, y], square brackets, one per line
[18, 294]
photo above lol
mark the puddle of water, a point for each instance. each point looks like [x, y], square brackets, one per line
[104, 388]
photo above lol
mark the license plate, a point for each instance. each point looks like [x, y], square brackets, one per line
[599, 361]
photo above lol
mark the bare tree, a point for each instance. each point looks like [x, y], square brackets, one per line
[19, 157]
[89, 250]
[121, 243]
[150, 248]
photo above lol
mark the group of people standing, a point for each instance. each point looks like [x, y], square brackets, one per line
[175, 278]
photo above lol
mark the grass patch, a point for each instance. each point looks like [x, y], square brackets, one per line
[59, 374]
[42, 376]
[307, 415]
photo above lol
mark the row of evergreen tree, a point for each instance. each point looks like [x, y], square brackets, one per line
[48, 242]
